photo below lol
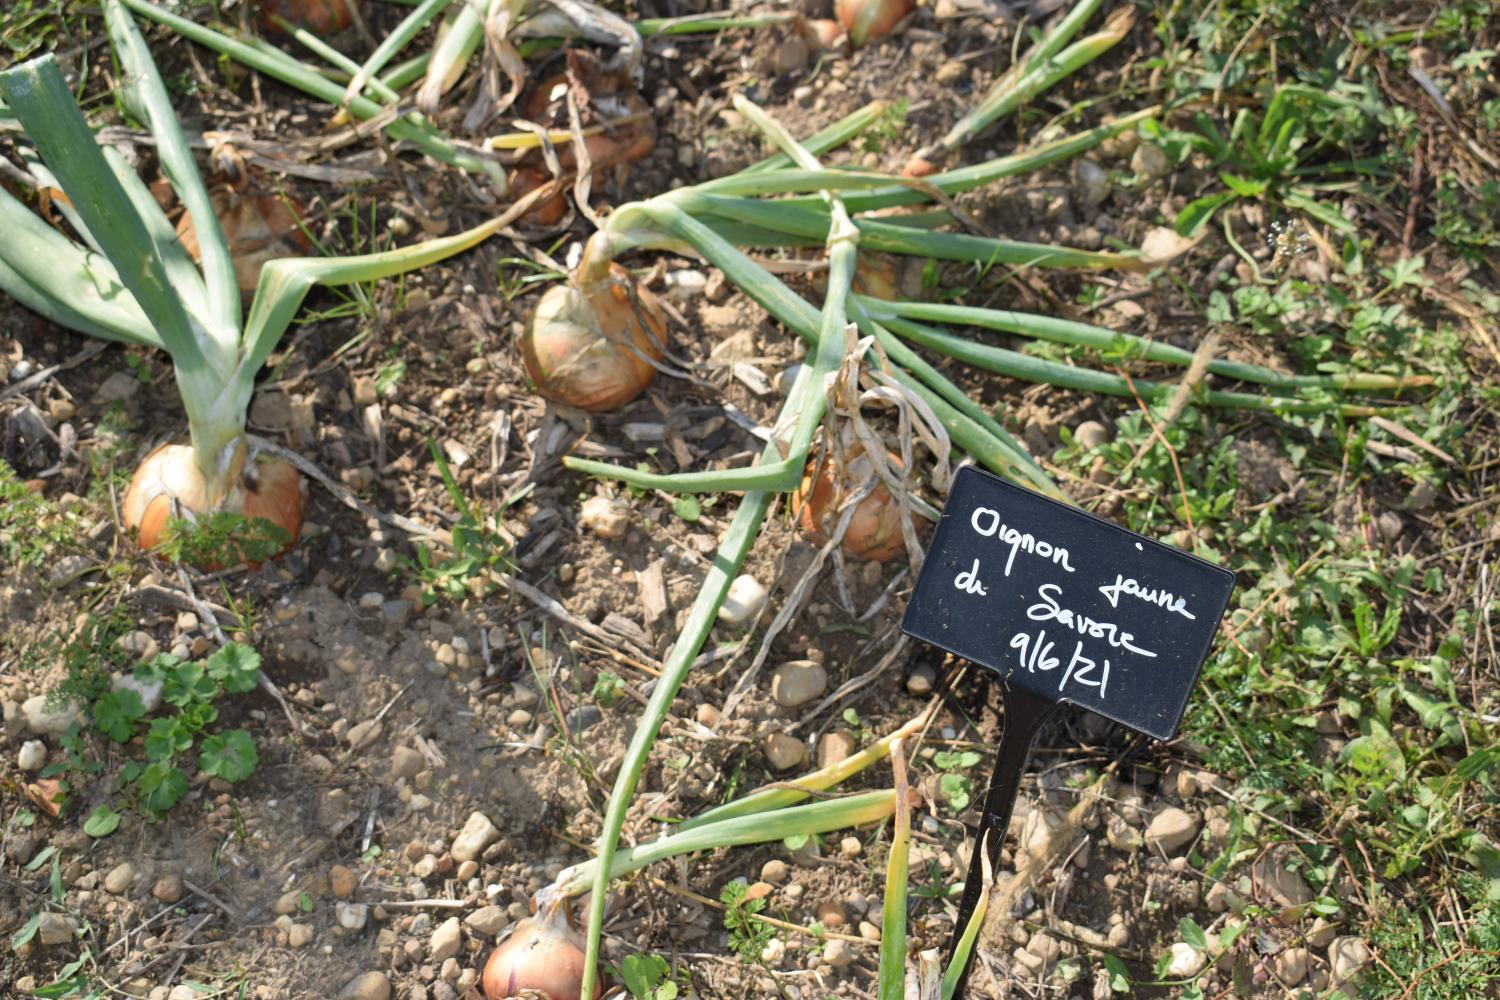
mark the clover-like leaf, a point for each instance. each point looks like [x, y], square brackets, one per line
[166, 738]
[161, 787]
[187, 682]
[116, 713]
[236, 666]
[231, 756]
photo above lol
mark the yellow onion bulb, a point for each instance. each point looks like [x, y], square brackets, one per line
[874, 532]
[824, 35]
[321, 17]
[870, 20]
[257, 227]
[542, 953]
[589, 348]
[168, 484]
[549, 211]
[919, 166]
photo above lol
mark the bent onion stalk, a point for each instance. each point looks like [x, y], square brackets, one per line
[134, 282]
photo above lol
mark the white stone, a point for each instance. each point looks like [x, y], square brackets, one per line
[487, 921]
[1283, 885]
[605, 517]
[838, 954]
[1291, 966]
[120, 877]
[1090, 434]
[446, 940]
[746, 599]
[41, 718]
[54, 928]
[477, 834]
[33, 756]
[148, 691]
[1171, 829]
[1186, 961]
[367, 986]
[352, 916]
[798, 682]
[784, 752]
[1346, 956]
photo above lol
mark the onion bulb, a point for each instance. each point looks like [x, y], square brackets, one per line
[601, 94]
[257, 227]
[170, 484]
[321, 17]
[869, 20]
[543, 954]
[588, 346]
[824, 35]
[548, 212]
[874, 532]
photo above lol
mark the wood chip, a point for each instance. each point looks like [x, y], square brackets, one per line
[653, 591]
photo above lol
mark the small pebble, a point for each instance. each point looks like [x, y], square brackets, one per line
[606, 517]
[784, 752]
[168, 888]
[774, 871]
[798, 682]
[367, 986]
[351, 916]
[831, 914]
[746, 598]
[342, 881]
[446, 940]
[33, 756]
[921, 680]
[1186, 961]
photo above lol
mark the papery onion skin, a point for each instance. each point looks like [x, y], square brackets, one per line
[584, 348]
[874, 532]
[870, 20]
[257, 227]
[321, 17]
[542, 953]
[168, 482]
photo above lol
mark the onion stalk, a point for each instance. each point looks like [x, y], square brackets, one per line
[133, 281]
[1042, 67]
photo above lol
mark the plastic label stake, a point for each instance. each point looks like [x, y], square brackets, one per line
[1064, 607]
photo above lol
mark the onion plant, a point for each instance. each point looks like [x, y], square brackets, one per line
[798, 202]
[130, 280]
